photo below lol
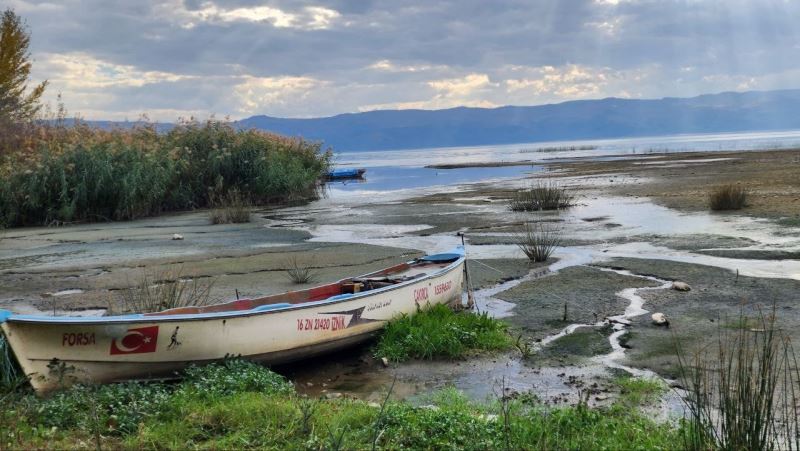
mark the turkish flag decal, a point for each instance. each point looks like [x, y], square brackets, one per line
[136, 341]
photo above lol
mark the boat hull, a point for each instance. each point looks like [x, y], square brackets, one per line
[55, 353]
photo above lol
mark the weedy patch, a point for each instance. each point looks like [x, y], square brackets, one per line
[728, 197]
[231, 208]
[241, 405]
[637, 391]
[299, 271]
[165, 289]
[538, 241]
[543, 196]
[439, 332]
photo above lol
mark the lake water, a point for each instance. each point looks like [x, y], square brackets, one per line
[394, 170]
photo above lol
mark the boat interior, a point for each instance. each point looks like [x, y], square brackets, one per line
[342, 289]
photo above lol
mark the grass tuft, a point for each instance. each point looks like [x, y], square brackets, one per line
[542, 196]
[231, 208]
[299, 272]
[165, 289]
[728, 197]
[438, 332]
[538, 241]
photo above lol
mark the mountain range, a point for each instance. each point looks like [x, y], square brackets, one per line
[573, 120]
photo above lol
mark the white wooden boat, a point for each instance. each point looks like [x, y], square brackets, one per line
[55, 350]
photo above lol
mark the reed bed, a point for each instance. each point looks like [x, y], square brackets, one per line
[542, 196]
[728, 197]
[744, 393]
[81, 174]
[559, 149]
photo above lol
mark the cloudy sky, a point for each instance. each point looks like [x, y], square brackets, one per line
[117, 59]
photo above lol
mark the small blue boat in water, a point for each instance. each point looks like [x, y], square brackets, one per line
[345, 174]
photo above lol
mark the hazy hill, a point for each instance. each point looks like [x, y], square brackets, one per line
[585, 119]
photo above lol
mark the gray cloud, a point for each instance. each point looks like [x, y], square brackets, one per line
[114, 59]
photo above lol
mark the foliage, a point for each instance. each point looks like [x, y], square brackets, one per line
[728, 197]
[542, 196]
[83, 174]
[231, 208]
[297, 271]
[636, 391]
[165, 289]
[538, 241]
[236, 404]
[745, 394]
[11, 375]
[15, 67]
[438, 331]
[229, 377]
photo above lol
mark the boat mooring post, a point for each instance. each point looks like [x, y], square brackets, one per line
[470, 299]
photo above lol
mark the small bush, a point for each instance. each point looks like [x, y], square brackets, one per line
[233, 376]
[438, 331]
[232, 208]
[298, 272]
[728, 197]
[543, 196]
[538, 241]
[165, 289]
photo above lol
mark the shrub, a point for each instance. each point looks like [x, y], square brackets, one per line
[438, 331]
[543, 196]
[538, 241]
[728, 197]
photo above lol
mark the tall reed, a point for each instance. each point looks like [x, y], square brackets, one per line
[538, 241]
[85, 174]
[744, 395]
[542, 196]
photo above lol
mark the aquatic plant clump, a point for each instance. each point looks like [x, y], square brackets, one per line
[95, 175]
[438, 332]
[231, 208]
[543, 196]
[728, 197]
[538, 241]
[166, 289]
[743, 394]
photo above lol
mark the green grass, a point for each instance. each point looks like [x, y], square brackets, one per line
[438, 332]
[98, 175]
[637, 391]
[236, 405]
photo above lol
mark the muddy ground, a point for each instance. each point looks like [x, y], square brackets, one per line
[647, 219]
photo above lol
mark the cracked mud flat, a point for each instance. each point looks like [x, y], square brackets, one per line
[618, 249]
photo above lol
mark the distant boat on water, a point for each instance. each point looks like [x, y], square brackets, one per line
[346, 174]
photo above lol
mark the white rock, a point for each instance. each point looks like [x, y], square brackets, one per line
[660, 319]
[177, 236]
[385, 361]
[681, 286]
